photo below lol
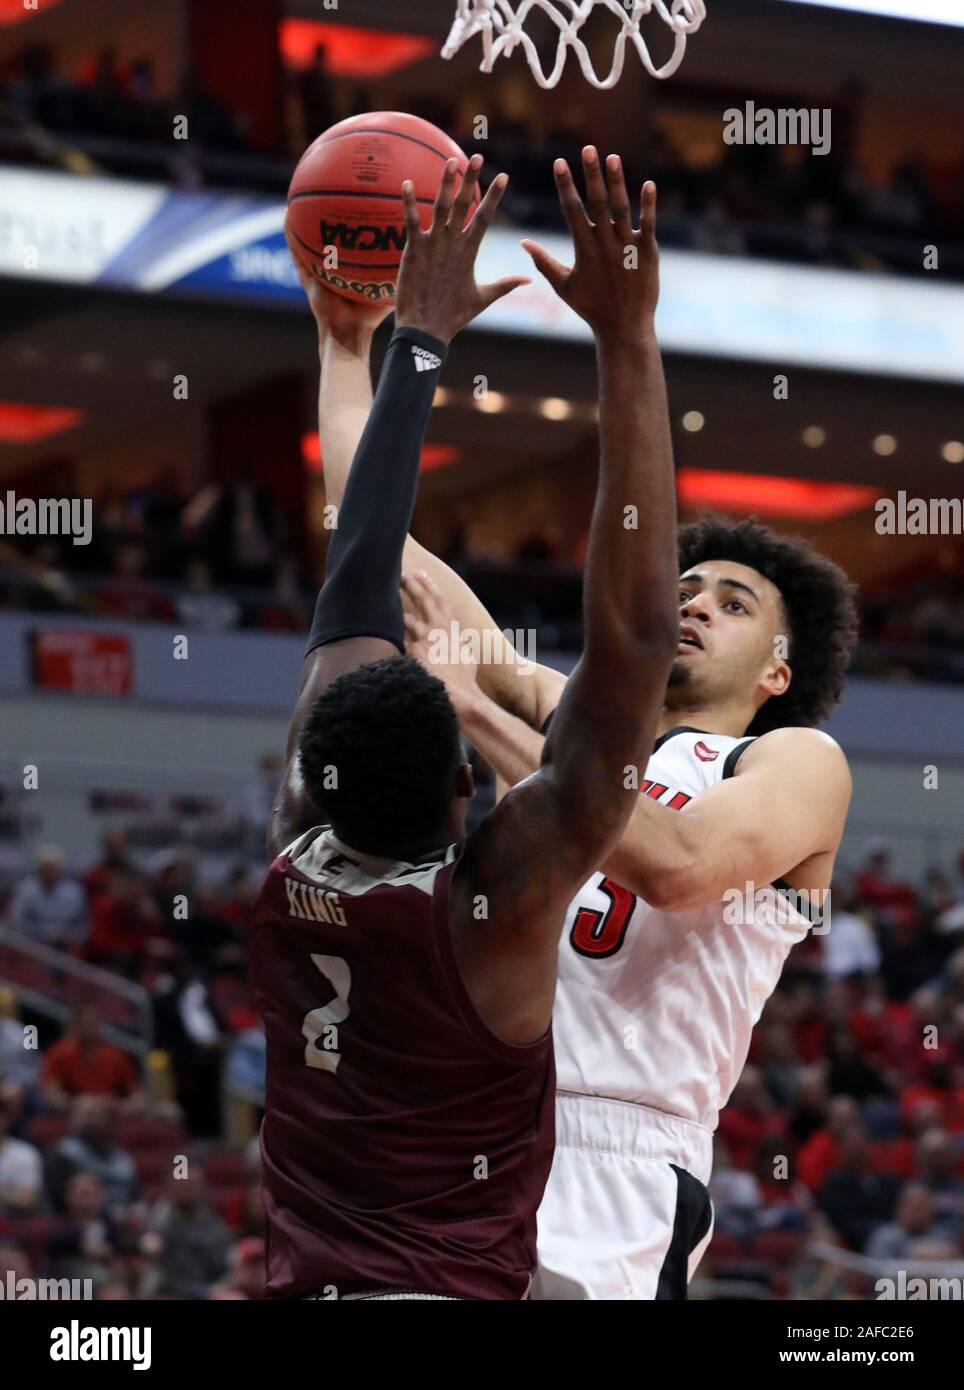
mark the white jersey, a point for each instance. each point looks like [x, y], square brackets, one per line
[657, 1008]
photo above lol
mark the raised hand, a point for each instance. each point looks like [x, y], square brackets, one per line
[433, 637]
[614, 283]
[349, 322]
[436, 289]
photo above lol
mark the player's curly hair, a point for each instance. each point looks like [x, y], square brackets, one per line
[819, 605]
[379, 751]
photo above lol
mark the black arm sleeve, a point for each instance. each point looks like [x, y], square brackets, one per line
[361, 595]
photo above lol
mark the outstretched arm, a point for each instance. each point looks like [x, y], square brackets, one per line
[784, 808]
[547, 835]
[359, 612]
[345, 333]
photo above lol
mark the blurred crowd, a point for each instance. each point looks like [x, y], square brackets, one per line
[107, 101]
[776, 201]
[221, 558]
[212, 559]
[743, 200]
[844, 1136]
[115, 1164]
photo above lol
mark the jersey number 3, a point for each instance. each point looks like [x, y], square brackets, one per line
[599, 934]
[320, 1027]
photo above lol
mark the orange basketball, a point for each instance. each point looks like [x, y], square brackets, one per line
[345, 204]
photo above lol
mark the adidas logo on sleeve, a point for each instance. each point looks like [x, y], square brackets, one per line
[425, 361]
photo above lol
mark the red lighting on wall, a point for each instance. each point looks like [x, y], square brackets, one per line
[14, 11]
[350, 51]
[433, 455]
[802, 499]
[21, 423]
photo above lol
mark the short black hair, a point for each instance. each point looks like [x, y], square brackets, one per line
[819, 604]
[386, 737]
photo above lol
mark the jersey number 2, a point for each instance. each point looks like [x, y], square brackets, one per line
[323, 1023]
[600, 934]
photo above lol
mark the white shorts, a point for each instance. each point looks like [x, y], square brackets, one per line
[626, 1213]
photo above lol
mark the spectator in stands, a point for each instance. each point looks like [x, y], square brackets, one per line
[200, 605]
[107, 89]
[914, 1234]
[822, 1151]
[912, 953]
[808, 1105]
[247, 1276]
[236, 904]
[258, 799]
[784, 1202]
[135, 1272]
[21, 1167]
[128, 593]
[14, 1263]
[735, 1194]
[125, 922]
[317, 108]
[90, 1148]
[938, 1157]
[209, 122]
[749, 1117]
[851, 1074]
[84, 1064]
[950, 921]
[285, 610]
[849, 947]
[195, 1241]
[48, 906]
[875, 883]
[82, 1243]
[205, 936]
[244, 1212]
[19, 1056]
[240, 527]
[856, 1198]
[115, 858]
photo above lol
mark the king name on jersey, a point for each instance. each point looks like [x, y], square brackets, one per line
[312, 904]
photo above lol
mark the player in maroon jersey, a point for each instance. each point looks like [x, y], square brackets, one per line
[405, 971]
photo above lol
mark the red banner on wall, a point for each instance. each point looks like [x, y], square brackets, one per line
[84, 663]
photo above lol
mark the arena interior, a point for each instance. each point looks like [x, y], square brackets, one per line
[158, 359]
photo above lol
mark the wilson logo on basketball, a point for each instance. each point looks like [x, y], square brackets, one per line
[706, 755]
[362, 238]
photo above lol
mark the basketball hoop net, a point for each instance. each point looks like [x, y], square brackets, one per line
[501, 24]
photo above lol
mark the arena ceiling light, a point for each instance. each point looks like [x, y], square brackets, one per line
[797, 499]
[22, 423]
[953, 451]
[350, 51]
[931, 11]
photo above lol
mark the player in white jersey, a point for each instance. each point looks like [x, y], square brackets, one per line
[671, 950]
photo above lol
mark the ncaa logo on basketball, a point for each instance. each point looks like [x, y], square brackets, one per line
[362, 238]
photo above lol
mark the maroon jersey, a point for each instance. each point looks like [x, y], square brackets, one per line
[405, 1147]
